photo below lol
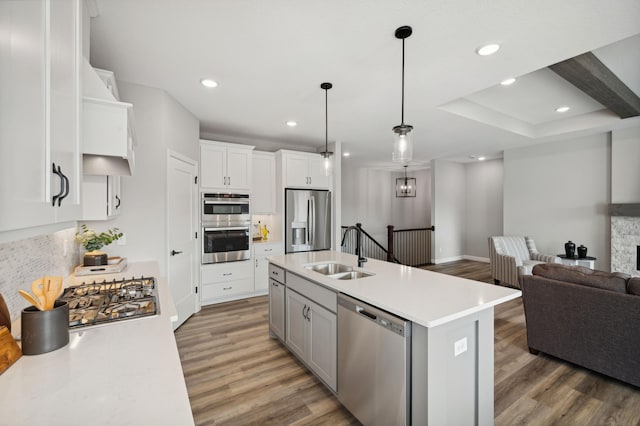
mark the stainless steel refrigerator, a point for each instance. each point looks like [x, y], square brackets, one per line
[307, 220]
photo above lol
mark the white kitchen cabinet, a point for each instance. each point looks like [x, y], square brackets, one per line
[225, 166]
[222, 282]
[311, 328]
[101, 197]
[277, 286]
[263, 190]
[303, 170]
[40, 164]
[260, 253]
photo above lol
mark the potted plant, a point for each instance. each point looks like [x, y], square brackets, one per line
[93, 242]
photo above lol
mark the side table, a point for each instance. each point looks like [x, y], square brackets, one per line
[588, 261]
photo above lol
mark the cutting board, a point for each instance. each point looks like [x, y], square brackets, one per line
[5, 319]
[9, 350]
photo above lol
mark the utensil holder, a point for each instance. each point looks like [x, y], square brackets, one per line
[45, 331]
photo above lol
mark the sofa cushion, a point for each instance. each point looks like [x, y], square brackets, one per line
[613, 281]
[633, 286]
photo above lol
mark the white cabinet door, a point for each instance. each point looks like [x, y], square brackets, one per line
[263, 191]
[322, 350]
[261, 273]
[213, 166]
[238, 168]
[317, 177]
[114, 199]
[296, 323]
[64, 105]
[297, 170]
[276, 309]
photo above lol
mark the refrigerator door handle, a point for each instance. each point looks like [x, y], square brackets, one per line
[308, 222]
[312, 225]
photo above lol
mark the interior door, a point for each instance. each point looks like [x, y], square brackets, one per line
[182, 208]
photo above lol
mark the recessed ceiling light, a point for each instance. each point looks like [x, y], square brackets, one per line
[563, 109]
[292, 123]
[481, 158]
[208, 83]
[508, 82]
[488, 49]
[346, 154]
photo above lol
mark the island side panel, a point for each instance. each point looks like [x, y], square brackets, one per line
[449, 388]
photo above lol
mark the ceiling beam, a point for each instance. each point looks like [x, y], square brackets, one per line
[590, 75]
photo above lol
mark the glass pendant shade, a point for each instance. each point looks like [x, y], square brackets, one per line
[327, 162]
[402, 144]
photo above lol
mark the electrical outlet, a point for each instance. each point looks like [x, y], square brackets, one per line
[122, 241]
[460, 346]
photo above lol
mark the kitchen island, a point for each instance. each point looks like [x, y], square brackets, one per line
[127, 372]
[451, 342]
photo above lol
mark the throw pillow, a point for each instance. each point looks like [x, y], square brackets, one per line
[613, 281]
[633, 286]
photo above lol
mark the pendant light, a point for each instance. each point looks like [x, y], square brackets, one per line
[326, 154]
[402, 146]
[406, 186]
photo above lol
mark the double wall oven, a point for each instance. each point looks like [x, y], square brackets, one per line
[226, 226]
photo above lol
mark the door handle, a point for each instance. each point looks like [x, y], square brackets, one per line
[303, 313]
[173, 252]
[308, 316]
[118, 200]
[66, 186]
[55, 197]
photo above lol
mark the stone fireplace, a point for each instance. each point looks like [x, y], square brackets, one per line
[625, 238]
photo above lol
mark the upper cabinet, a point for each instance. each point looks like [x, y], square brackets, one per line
[303, 170]
[263, 195]
[108, 126]
[40, 153]
[225, 166]
[101, 198]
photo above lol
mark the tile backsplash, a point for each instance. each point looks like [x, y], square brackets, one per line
[625, 239]
[24, 261]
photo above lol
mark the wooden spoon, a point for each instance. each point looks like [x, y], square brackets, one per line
[37, 287]
[35, 302]
[52, 289]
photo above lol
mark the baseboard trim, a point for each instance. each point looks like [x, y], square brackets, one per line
[477, 258]
[462, 257]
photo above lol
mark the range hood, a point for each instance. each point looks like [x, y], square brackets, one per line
[108, 126]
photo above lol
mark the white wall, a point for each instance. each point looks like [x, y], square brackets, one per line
[365, 199]
[625, 173]
[448, 212]
[412, 212]
[161, 124]
[560, 191]
[483, 218]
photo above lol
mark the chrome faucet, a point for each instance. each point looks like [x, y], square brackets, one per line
[358, 228]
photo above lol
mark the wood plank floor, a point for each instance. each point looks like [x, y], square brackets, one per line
[237, 375]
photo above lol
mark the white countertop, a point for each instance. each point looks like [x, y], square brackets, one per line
[122, 373]
[424, 297]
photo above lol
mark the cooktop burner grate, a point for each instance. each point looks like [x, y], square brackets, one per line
[109, 301]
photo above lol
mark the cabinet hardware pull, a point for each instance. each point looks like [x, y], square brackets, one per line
[256, 263]
[173, 252]
[268, 249]
[303, 309]
[227, 274]
[227, 288]
[118, 200]
[55, 197]
[309, 314]
[229, 181]
[66, 186]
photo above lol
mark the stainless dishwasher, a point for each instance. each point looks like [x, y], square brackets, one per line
[374, 362]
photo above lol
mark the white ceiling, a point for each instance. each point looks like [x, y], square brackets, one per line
[270, 56]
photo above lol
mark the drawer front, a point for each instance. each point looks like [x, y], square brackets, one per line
[227, 272]
[215, 291]
[268, 249]
[313, 291]
[277, 273]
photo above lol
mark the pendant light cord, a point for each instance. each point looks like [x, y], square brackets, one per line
[402, 119]
[326, 120]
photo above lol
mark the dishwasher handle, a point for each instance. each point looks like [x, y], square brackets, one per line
[362, 311]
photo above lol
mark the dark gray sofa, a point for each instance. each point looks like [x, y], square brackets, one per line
[590, 318]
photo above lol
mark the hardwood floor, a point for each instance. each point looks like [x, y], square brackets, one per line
[236, 374]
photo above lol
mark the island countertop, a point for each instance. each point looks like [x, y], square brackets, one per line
[122, 373]
[424, 297]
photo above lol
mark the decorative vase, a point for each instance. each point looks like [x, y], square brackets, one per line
[582, 252]
[570, 249]
[95, 258]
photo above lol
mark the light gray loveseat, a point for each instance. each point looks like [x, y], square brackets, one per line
[590, 318]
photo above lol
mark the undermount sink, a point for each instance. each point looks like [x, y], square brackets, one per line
[353, 275]
[338, 271]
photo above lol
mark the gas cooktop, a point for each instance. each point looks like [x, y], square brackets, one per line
[110, 301]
